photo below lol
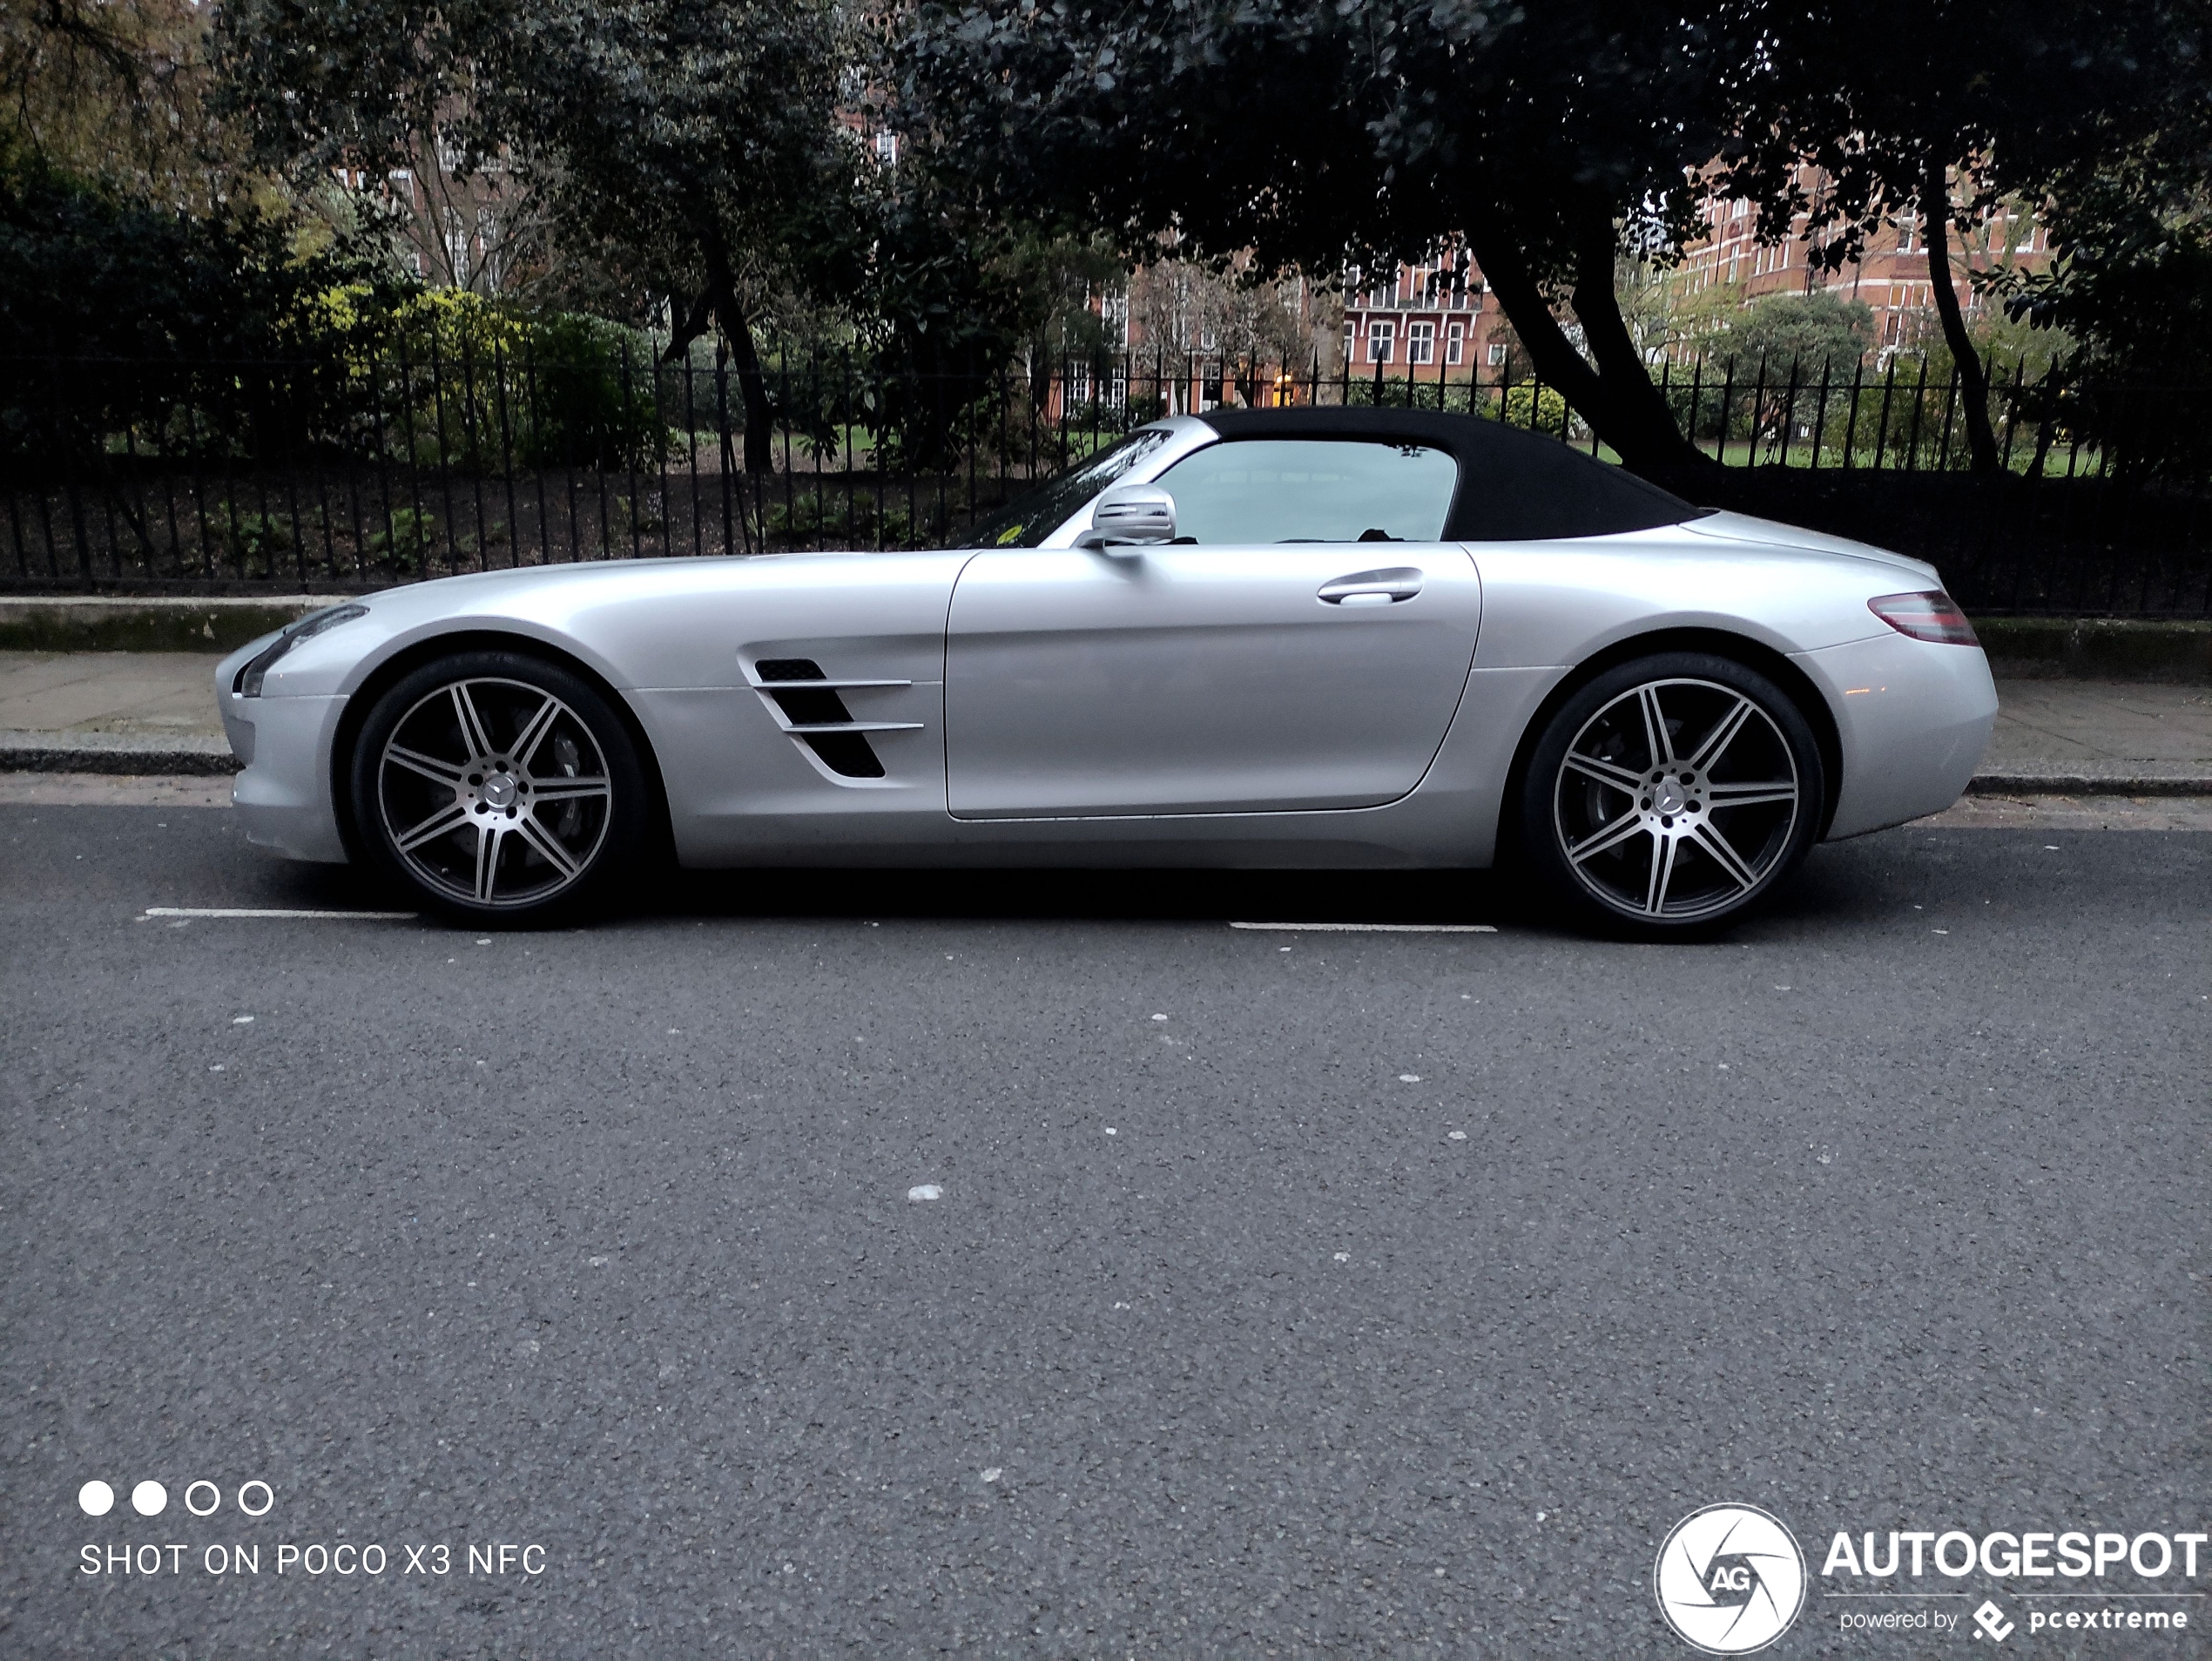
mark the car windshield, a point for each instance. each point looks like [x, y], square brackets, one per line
[1037, 514]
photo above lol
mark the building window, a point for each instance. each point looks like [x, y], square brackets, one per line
[493, 262]
[887, 149]
[1420, 342]
[457, 248]
[1113, 311]
[1380, 335]
[1497, 354]
[1455, 341]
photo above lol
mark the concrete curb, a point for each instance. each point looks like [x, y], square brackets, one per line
[111, 753]
[2098, 649]
[83, 623]
[2090, 783]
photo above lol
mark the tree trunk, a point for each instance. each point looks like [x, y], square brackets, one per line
[1658, 435]
[1617, 399]
[1974, 386]
[753, 385]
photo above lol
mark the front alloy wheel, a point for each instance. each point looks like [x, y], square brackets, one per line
[1673, 793]
[496, 785]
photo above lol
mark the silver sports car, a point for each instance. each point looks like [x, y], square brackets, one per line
[1316, 638]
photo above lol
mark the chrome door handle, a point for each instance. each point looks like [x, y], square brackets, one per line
[1374, 587]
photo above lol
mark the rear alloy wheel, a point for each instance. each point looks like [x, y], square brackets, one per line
[1671, 793]
[498, 787]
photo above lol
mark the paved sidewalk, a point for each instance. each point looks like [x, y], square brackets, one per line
[105, 711]
[153, 712]
[2094, 734]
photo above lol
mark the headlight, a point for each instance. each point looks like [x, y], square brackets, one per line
[249, 683]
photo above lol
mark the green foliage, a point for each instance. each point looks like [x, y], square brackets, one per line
[406, 541]
[1804, 332]
[2132, 286]
[88, 274]
[816, 518]
[1542, 409]
[484, 380]
[252, 543]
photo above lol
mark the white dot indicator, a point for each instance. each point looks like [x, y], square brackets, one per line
[149, 1499]
[96, 1499]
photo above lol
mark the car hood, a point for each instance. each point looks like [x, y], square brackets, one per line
[582, 608]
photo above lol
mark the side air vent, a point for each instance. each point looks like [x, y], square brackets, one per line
[815, 715]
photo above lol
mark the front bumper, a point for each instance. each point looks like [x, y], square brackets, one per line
[1913, 719]
[283, 793]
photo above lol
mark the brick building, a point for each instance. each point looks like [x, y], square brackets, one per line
[1890, 276]
[1432, 321]
[1440, 321]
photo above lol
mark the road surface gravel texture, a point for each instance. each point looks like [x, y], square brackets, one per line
[1283, 1294]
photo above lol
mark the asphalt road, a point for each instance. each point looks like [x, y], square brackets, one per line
[1343, 1293]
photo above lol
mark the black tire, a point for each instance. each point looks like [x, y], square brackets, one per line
[1654, 839]
[503, 754]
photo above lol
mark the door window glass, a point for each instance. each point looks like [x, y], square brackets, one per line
[1292, 490]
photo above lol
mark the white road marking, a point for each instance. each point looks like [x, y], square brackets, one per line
[1372, 927]
[260, 911]
[921, 1191]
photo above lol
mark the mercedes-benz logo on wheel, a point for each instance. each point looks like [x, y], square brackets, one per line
[1729, 1579]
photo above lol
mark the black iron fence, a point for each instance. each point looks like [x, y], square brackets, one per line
[384, 465]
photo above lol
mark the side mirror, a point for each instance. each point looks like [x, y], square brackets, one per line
[1130, 513]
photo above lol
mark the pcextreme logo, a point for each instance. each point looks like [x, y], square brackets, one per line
[1729, 1579]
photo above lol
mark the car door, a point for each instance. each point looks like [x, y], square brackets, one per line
[1269, 659]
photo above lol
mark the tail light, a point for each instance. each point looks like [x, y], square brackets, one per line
[1934, 615]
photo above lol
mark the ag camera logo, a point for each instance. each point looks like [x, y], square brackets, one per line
[1729, 1579]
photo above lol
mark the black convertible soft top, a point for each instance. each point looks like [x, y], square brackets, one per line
[1515, 485]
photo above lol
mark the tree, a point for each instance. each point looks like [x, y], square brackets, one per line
[1993, 101]
[2132, 286]
[1322, 135]
[113, 92]
[695, 140]
[1317, 136]
[1803, 333]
